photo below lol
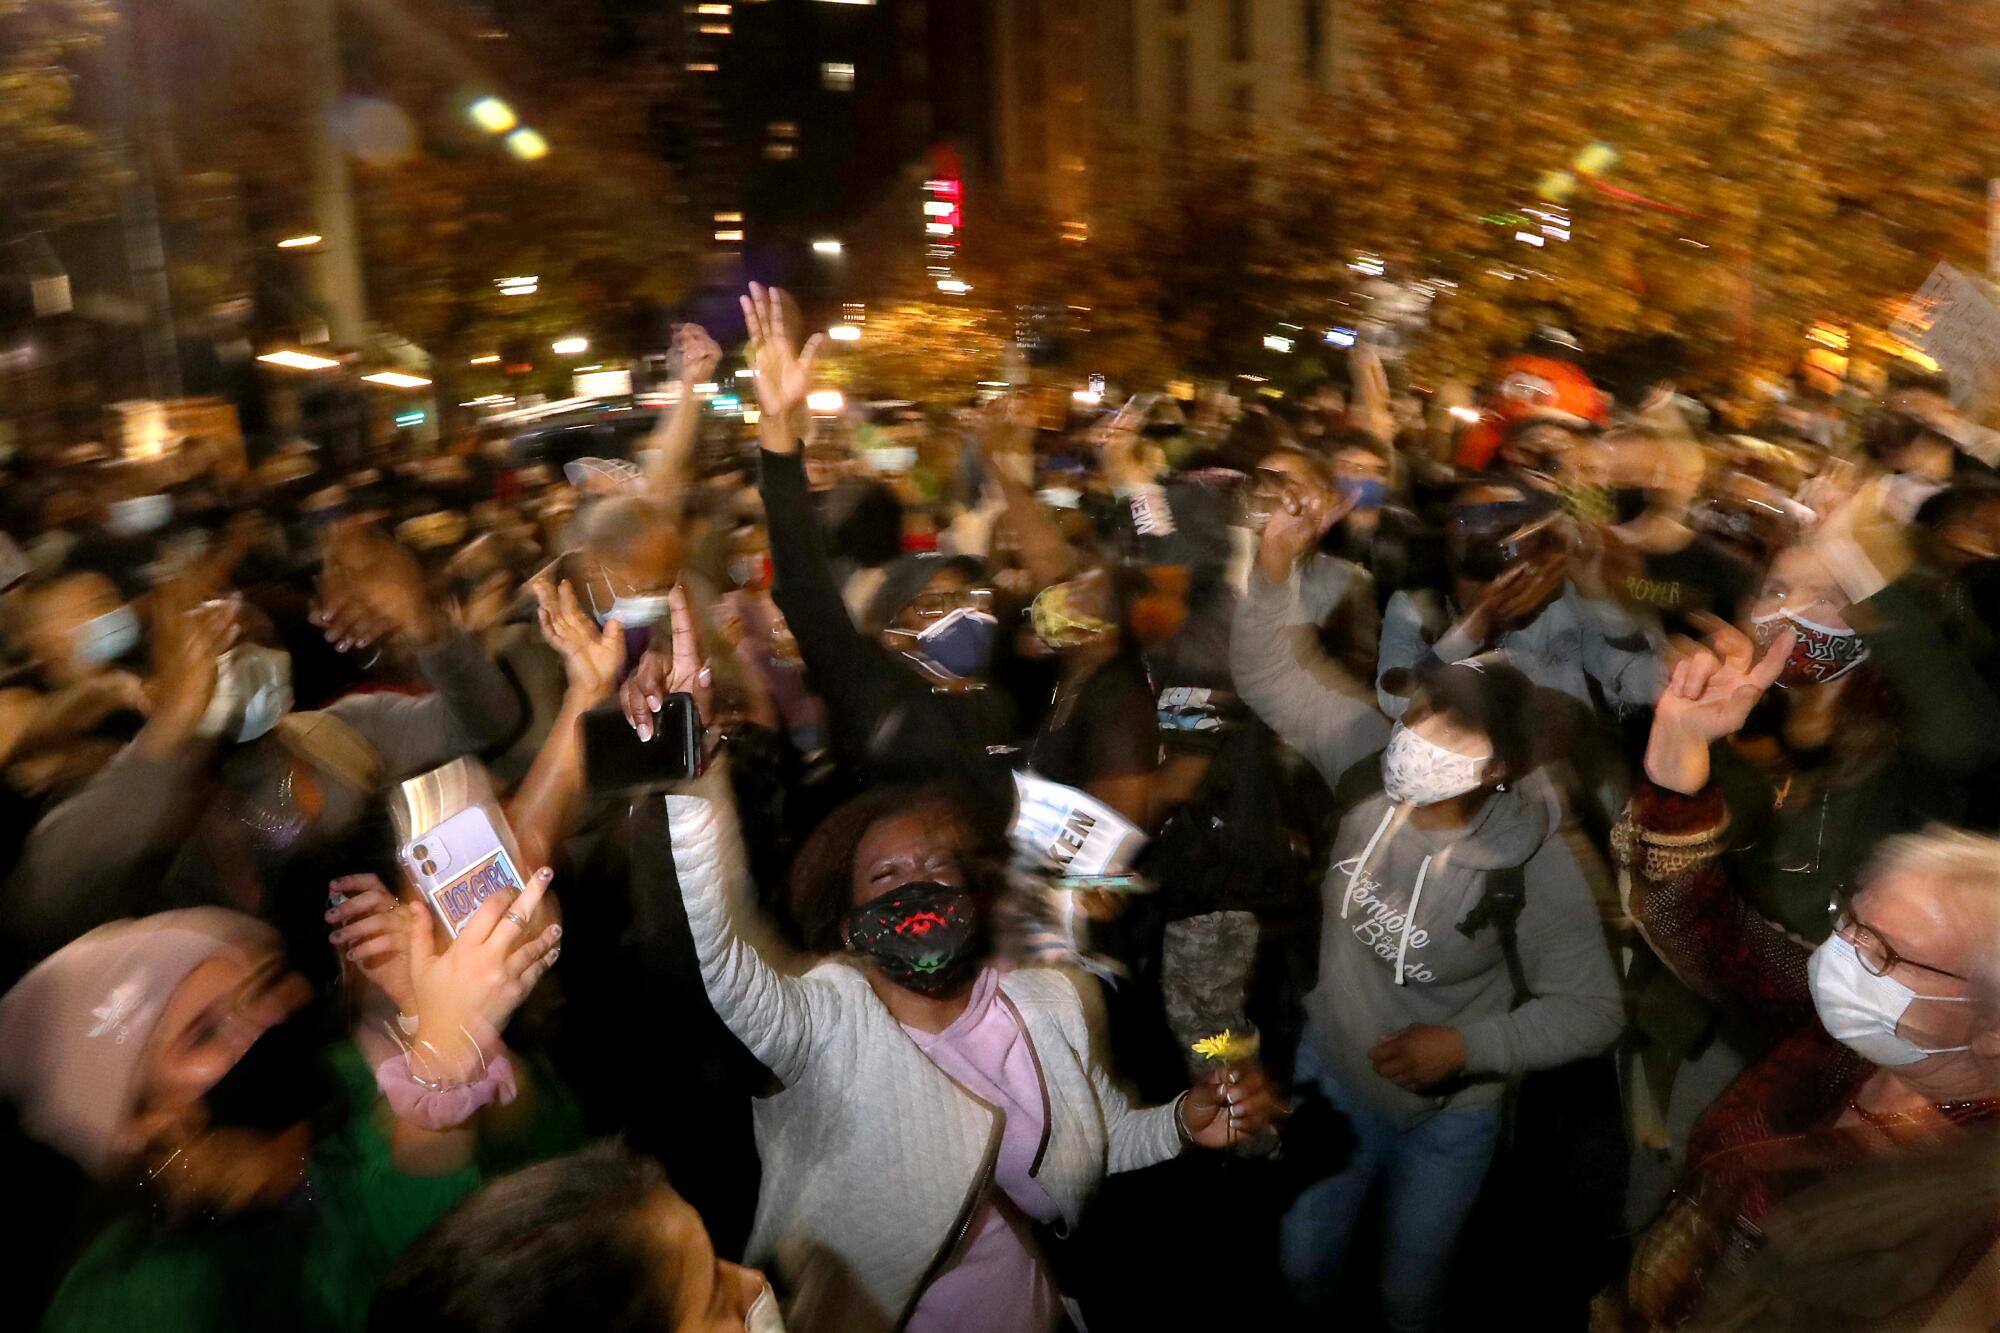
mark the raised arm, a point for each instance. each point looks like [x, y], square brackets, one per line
[673, 439]
[769, 1010]
[373, 589]
[1281, 672]
[1671, 840]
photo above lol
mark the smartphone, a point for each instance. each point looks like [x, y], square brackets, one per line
[461, 863]
[616, 760]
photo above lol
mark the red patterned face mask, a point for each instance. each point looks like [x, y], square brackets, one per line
[1820, 653]
[923, 936]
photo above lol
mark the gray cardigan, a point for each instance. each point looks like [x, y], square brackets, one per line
[875, 1160]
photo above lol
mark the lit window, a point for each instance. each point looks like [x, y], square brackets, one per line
[728, 217]
[703, 67]
[837, 76]
[781, 152]
[715, 29]
[731, 236]
[712, 9]
[783, 129]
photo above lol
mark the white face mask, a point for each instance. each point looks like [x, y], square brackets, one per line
[1861, 1010]
[1420, 772]
[253, 692]
[763, 1316]
[144, 513]
[633, 611]
[106, 638]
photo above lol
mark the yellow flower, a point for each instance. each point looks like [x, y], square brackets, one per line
[1225, 1047]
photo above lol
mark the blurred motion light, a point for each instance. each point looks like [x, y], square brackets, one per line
[493, 115]
[730, 235]
[528, 145]
[712, 9]
[828, 247]
[845, 333]
[490, 359]
[1340, 337]
[1277, 342]
[305, 242]
[396, 379]
[1466, 414]
[570, 346]
[1529, 238]
[954, 286]
[1373, 267]
[826, 402]
[299, 360]
[1086, 398]
[525, 285]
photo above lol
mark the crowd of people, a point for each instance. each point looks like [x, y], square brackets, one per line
[1193, 865]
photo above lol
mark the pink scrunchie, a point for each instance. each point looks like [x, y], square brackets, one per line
[437, 1111]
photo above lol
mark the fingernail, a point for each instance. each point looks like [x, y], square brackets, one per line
[333, 916]
[545, 874]
[555, 932]
[553, 955]
[351, 953]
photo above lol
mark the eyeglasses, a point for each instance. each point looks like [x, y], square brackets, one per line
[1874, 951]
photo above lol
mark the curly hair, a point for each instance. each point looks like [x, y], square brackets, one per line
[822, 878]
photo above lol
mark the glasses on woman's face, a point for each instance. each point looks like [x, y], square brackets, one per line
[1875, 952]
[937, 605]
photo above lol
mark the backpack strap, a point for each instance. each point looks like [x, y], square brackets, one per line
[1500, 906]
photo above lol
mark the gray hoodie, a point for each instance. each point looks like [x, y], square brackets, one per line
[1391, 954]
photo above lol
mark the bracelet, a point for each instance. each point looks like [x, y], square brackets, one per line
[439, 1107]
[1180, 1121]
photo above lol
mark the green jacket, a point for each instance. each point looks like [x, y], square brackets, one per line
[310, 1268]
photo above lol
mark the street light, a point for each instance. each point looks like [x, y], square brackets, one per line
[825, 402]
[954, 286]
[528, 145]
[827, 247]
[305, 242]
[490, 359]
[525, 285]
[299, 360]
[570, 346]
[493, 115]
[845, 333]
[396, 379]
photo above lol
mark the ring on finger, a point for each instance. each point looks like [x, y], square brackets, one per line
[517, 919]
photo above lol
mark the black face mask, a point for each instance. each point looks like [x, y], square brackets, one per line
[278, 1082]
[1628, 502]
[924, 937]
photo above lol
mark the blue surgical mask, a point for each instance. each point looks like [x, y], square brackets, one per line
[141, 514]
[632, 610]
[1365, 492]
[961, 644]
[104, 639]
[253, 692]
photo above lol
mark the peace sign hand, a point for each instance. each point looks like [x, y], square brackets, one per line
[1709, 696]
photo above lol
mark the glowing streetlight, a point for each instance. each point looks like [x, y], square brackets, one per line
[528, 145]
[298, 360]
[493, 115]
[826, 402]
[305, 242]
[570, 346]
[396, 379]
[490, 359]
[954, 286]
[845, 333]
[828, 247]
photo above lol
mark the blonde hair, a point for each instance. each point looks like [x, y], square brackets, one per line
[1945, 856]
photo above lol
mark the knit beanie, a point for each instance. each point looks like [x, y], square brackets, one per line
[75, 1030]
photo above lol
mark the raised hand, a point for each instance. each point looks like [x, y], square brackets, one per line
[370, 932]
[464, 996]
[660, 674]
[372, 588]
[1709, 696]
[784, 373]
[1294, 526]
[188, 640]
[592, 656]
[700, 354]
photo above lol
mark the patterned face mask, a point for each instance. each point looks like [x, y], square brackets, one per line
[922, 936]
[1821, 653]
[1059, 624]
[1420, 772]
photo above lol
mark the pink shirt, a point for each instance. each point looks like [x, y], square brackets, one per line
[997, 1282]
